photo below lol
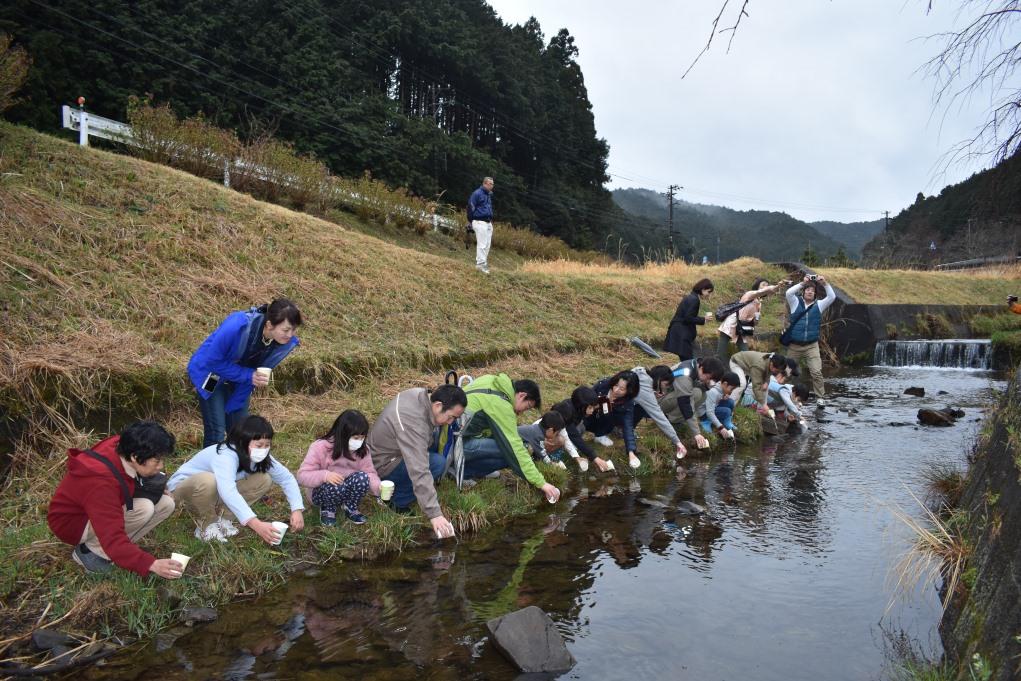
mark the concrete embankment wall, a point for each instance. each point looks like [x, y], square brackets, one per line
[985, 616]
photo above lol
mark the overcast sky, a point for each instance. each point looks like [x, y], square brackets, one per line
[820, 109]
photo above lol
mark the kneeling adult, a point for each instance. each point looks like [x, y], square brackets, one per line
[95, 509]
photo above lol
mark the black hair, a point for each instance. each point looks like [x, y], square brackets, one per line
[552, 419]
[241, 436]
[758, 282]
[701, 285]
[531, 390]
[731, 378]
[581, 398]
[660, 374]
[779, 362]
[144, 440]
[449, 396]
[712, 366]
[351, 422]
[792, 364]
[566, 410]
[800, 390]
[631, 379]
[282, 310]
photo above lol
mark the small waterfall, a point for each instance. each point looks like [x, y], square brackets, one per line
[954, 353]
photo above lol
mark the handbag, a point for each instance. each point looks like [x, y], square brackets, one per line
[151, 488]
[727, 309]
[785, 337]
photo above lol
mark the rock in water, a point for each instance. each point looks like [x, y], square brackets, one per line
[529, 640]
[690, 508]
[47, 639]
[931, 417]
[192, 616]
[917, 392]
[952, 412]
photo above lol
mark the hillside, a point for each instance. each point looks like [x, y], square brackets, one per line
[853, 235]
[766, 235]
[979, 217]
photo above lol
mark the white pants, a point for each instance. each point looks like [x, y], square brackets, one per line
[483, 239]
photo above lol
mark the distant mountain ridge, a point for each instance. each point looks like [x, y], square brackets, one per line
[767, 235]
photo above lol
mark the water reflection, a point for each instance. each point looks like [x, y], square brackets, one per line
[782, 576]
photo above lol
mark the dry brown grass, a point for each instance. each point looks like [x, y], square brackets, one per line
[968, 287]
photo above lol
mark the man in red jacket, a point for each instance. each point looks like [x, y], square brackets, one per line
[94, 508]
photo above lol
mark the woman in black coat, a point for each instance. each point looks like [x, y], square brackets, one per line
[680, 336]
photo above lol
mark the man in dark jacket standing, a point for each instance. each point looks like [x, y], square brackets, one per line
[480, 216]
[95, 509]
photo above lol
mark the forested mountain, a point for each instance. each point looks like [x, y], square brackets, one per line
[853, 235]
[979, 217]
[431, 96]
[768, 235]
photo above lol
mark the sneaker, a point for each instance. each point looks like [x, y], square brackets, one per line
[328, 518]
[604, 441]
[92, 562]
[820, 403]
[353, 515]
[483, 270]
[495, 475]
[400, 510]
[211, 533]
[227, 528]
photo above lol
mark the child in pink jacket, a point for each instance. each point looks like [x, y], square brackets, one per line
[337, 471]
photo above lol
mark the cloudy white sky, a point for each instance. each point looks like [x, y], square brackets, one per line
[820, 108]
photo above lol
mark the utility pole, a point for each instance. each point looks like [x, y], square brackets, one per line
[670, 215]
[886, 227]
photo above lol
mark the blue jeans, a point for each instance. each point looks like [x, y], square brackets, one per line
[482, 456]
[215, 420]
[404, 491]
[724, 414]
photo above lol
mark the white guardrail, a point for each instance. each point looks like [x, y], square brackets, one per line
[90, 125]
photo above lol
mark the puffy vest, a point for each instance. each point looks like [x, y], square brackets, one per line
[807, 328]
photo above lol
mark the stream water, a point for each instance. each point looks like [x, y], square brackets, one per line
[786, 576]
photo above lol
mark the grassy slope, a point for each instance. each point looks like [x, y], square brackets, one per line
[984, 287]
[114, 269]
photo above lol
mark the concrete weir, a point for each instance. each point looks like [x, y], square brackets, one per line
[854, 329]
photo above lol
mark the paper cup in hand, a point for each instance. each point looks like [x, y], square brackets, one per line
[609, 465]
[181, 558]
[281, 529]
[386, 490]
[265, 371]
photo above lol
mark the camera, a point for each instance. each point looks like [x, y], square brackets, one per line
[813, 277]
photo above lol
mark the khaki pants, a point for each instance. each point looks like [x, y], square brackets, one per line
[809, 358]
[138, 522]
[198, 494]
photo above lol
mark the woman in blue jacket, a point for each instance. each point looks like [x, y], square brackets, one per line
[223, 368]
[615, 408]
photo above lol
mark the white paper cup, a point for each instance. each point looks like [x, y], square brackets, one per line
[181, 558]
[265, 371]
[281, 529]
[386, 490]
[609, 465]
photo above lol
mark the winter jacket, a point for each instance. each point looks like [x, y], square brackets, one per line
[319, 461]
[686, 395]
[682, 332]
[622, 410]
[780, 397]
[574, 429]
[747, 315]
[480, 205]
[755, 366]
[806, 329]
[88, 493]
[403, 432]
[222, 461]
[491, 401]
[713, 397]
[221, 352]
[647, 400]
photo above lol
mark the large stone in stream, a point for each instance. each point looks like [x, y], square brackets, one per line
[931, 417]
[47, 639]
[529, 640]
[917, 392]
[191, 616]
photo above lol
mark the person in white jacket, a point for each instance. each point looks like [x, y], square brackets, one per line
[647, 403]
[222, 480]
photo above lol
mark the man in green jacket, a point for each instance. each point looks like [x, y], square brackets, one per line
[491, 440]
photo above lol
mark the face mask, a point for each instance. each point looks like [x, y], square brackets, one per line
[354, 444]
[258, 454]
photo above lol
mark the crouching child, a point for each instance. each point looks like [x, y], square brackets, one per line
[95, 508]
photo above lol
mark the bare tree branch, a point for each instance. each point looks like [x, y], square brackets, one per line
[715, 29]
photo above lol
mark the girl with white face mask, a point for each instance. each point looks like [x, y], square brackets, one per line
[220, 483]
[337, 471]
